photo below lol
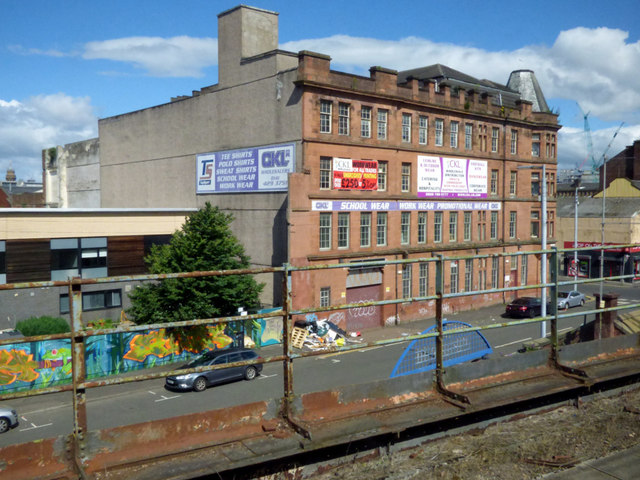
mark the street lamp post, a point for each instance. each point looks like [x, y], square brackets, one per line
[576, 185]
[543, 268]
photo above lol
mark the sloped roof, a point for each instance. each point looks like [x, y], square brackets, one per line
[592, 207]
[455, 78]
[525, 82]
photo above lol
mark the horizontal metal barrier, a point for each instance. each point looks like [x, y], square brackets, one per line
[79, 383]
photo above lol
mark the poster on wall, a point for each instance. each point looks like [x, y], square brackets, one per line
[451, 177]
[260, 169]
[351, 174]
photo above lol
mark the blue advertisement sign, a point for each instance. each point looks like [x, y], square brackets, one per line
[260, 169]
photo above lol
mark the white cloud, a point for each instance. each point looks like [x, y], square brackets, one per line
[596, 67]
[43, 121]
[572, 145]
[163, 57]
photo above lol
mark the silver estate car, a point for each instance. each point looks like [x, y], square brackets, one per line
[8, 418]
[199, 381]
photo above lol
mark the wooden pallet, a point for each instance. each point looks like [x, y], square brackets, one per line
[298, 336]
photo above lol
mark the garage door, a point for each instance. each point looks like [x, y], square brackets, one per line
[366, 316]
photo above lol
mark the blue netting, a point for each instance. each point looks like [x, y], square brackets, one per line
[420, 354]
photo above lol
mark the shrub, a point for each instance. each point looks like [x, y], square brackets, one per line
[42, 326]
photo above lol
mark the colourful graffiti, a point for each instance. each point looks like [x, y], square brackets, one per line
[17, 365]
[47, 363]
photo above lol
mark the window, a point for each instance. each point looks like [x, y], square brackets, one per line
[98, 300]
[493, 229]
[548, 146]
[406, 281]
[382, 176]
[325, 116]
[495, 133]
[494, 182]
[439, 131]
[513, 182]
[343, 119]
[454, 276]
[423, 280]
[3, 262]
[365, 229]
[453, 134]
[406, 177]
[423, 130]
[466, 229]
[535, 223]
[382, 124]
[437, 226]
[468, 136]
[405, 228]
[550, 224]
[551, 183]
[325, 173]
[422, 227]
[325, 296]
[514, 142]
[535, 145]
[325, 231]
[468, 275]
[381, 229]
[365, 122]
[482, 135]
[512, 224]
[535, 184]
[453, 226]
[482, 274]
[482, 225]
[524, 269]
[495, 271]
[343, 230]
[406, 127]
[73, 257]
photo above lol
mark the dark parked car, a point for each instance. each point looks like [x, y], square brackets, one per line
[570, 299]
[525, 307]
[199, 381]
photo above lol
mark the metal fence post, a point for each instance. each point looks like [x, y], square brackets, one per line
[287, 330]
[449, 395]
[554, 357]
[78, 371]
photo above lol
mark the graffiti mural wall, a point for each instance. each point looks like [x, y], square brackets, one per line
[33, 365]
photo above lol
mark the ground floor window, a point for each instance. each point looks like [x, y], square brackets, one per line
[98, 300]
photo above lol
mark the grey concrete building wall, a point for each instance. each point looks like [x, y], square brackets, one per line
[20, 304]
[72, 178]
[148, 157]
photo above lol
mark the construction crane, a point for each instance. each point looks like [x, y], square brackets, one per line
[589, 142]
[604, 158]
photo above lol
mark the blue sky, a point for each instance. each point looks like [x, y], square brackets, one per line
[67, 63]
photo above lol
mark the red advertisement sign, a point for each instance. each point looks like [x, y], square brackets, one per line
[351, 174]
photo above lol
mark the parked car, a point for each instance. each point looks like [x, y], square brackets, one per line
[199, 381]
[570, 299]
[525, 307]
[8, 418]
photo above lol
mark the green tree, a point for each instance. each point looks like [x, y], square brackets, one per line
[204, 243]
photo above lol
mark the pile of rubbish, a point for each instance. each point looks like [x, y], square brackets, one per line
[321, 335]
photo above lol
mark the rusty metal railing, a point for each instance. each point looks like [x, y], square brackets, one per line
[79, 333]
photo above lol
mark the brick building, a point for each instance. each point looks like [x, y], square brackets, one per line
[319, 166]
[445, 151]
